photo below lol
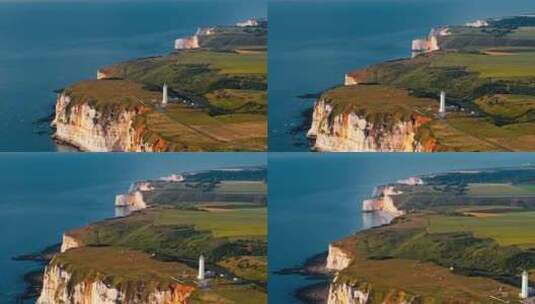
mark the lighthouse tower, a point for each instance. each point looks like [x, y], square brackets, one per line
[442, 108]
[524, 292]
[200, 276]
[164, 95]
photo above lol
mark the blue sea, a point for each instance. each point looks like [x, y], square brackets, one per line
[45, 194]
[315, 198]
[47, 45]
[313, 43]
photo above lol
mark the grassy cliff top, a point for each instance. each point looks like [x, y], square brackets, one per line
[137, 274]
[104, 94]
[122, 267]
[235, 37]
[375, 101]
[171, 234]
[487, 74]
[471, 229]
[218, 93]
[420, 256]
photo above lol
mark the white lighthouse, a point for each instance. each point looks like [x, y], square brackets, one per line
[442, 108]
[164, 95]
[524, 292]
[200, 276]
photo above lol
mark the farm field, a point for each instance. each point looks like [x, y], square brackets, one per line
[507, 228]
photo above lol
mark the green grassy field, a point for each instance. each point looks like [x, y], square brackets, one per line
[247, 267]
[510, 228]
[230, 294]
[226, 62]
[242, 186]
[229, 223]
[514, 65]
[495, 189]
[509, 106]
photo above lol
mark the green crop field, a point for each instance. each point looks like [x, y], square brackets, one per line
[501, 189]
[508, 106]
[512, 228]
[242, 186]
[229, 294]
[521, 64]
[226, 62]
[229, 223]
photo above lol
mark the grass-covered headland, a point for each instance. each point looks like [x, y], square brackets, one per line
[219, 214]
[488, 74]
[217, 93]
[465, 238]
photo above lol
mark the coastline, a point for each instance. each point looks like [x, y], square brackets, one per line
[315, 267]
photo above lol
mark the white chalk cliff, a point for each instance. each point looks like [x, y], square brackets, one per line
[132, 200]
[346, 292]
[59, 287]
[337, 259]
[69, 242]
[88, 129]
[349, 132]
[383, 202]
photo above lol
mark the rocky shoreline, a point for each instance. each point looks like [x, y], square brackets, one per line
[34, 279]
[325, 266]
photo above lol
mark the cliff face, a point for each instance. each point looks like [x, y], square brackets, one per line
[59, 287]
[355, 293]
[337, 259]
[132, 200]
[90, 130]
[383, 202]
[187, 43]
[348, 132]
[69, 242]
[432, 42]
[344, 293]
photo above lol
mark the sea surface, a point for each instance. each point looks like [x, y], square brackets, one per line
[315, 198]
[47, 45]
[313, 43]
[45, 194]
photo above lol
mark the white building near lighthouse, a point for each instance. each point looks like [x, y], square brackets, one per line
[165, 97]
[200, 276]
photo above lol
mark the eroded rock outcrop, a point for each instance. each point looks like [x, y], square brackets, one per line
[59, 286]
[132, 200]
[337, 259]
[69, 242]
[432, 42]
[193, 42]
[364, 293]
[383, 202]
[89, 129]
[349, 132]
